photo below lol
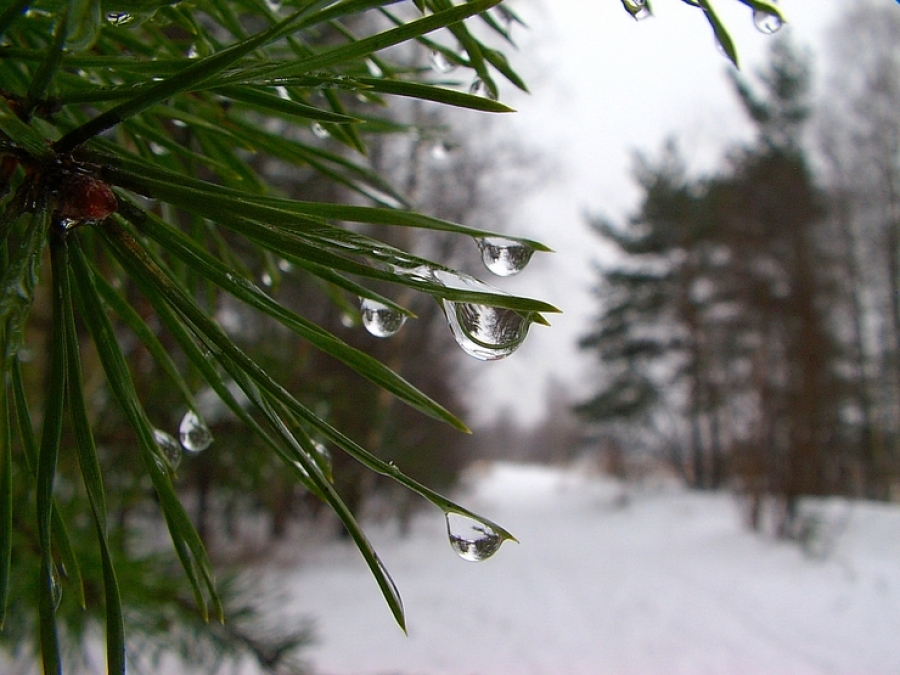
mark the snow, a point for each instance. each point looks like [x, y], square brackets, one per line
[653, 580]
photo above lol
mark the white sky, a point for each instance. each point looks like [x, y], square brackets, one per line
[602, 86]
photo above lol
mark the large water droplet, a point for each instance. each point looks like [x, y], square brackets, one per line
[379, 319]
[169, 447]
[504, 257]
[471, 539]
[440, 63]
[193, 433]
[766, 22]
[486, 332]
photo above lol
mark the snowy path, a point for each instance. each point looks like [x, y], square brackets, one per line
[668, 584]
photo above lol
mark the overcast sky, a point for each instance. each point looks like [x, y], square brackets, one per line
[604, 85]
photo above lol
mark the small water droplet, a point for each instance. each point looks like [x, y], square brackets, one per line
[158, 149]
[193, 433]
[70, 223]
[471, 539]
[767, 22]
[285, 265]
[282, 93]
[193, 53]
[273, 5]
[319, 131]
[55, 587]
[169, 448]
[119, 18]
[504, 257]
[379, 319]
[440, 63]
[480, 88]
[441, 150]
[374, 69]
[267, 280]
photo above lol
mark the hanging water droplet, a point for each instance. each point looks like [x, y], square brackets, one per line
[69, 223]
[169, 448]
[285, 265]
[767, 22]
[273, 5]
[193, 433]
[471, 539]
[267, 280]
[486, 332]
[440, 63]
[192, 52]
[319, 131]
[480, 88]
[379, 319]
[282, 93]
[374, 69]
[55, 587]
[504, 257]
[119, 18]
[158, 149]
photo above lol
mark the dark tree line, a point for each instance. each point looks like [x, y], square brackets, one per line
[748, 328]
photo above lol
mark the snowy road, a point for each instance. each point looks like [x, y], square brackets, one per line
[667, 584]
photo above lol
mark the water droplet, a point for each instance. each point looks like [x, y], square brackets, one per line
[440, 63]
[55, 587]
[486, 332]
[639, 9]
[158, 149]
[267, 280]
[285, 265]
[471, 539]
[504, 257]
[119, 18]
[379, 319]
[767, 22]
[480, 88]
[374, 69]
[193, 53]
[169, 448]
[194, 434]
[69, 223]
[273, 5]
[319, 131]
[282, 93]
[441, 150]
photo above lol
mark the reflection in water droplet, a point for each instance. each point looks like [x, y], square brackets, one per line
[504, 257]
[440, 63]
[471, 539]
[193, 433]
[192, 52]
[380, 320]
[319, 130]
[766, 22]
[169, 448]
[267, 280]
[119, 18]
[488, 333]
[55, 587]
[285, 265]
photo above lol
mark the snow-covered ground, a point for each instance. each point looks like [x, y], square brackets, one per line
[611, 582]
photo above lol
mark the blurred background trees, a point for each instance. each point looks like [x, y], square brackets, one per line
[746, 330]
